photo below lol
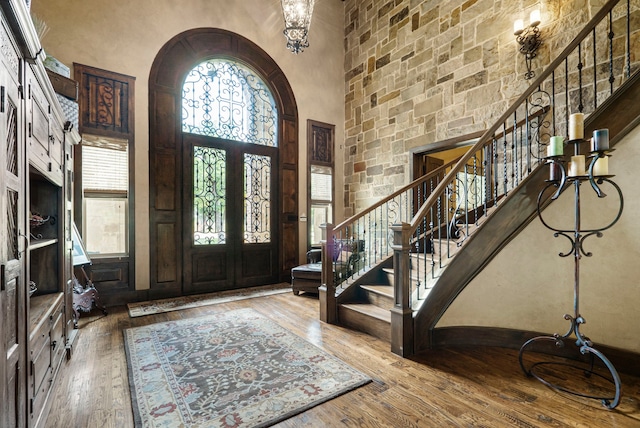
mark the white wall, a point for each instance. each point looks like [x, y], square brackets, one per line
[124, 36]
[529, 287]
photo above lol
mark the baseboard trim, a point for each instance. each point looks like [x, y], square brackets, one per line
[623, 360]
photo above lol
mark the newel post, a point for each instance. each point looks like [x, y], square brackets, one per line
[327, 290]
[401, 313]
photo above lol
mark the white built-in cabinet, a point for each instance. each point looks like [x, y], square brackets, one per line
[36, 325]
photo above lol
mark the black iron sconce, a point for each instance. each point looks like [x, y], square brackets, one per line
[529, 39]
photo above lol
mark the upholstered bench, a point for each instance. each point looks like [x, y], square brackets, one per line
[306, 278]
[349, 258]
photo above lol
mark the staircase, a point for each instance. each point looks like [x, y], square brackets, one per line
[427, 241]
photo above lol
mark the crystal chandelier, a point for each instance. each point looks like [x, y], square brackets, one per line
[297, 18]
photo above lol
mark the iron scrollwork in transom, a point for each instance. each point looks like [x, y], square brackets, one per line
[227, 100]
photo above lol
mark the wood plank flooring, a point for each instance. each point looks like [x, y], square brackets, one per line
[462, 387]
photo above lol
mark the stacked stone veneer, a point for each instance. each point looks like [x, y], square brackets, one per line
[420, 72]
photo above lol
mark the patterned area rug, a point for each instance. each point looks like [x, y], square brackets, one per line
[139, 309]
[234, 369]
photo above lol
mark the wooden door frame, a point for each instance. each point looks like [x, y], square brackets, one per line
[174, 60]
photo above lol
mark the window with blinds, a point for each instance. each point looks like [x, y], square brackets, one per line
[105, 184]
[320, 150]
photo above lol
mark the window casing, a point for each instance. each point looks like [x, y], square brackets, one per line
[321, 180]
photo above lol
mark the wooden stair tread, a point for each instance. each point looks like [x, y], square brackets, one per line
[384, 290]
[369, 310]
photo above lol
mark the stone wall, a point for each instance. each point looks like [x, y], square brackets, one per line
[420, 72]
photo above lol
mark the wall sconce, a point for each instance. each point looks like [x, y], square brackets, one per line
[297, 19]
[529, 39]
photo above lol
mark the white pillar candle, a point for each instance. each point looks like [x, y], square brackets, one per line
[600, 140]
[601, 167]
[576, 126]
[534, 18]
[555, 147]
[518, 26]
[576, 168]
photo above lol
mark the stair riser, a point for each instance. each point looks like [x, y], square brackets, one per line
[379, 300]
[417, 273]
[360, 322]
[388, 275]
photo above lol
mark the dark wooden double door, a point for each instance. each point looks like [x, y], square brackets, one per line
[230, 216]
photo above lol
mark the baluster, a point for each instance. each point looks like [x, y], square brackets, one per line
[628, 67]
[486, 173]
[611, 78]
[496, 181]
[441, 207]
[566, 94]
[580, 65]
[553, 101]
[375, 231]
[528, 137]
[595, 73]
[505, 160]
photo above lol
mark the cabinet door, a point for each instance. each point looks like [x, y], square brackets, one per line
[39, 135]
[12, 223]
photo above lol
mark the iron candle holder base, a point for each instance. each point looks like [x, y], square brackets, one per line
[588, 368]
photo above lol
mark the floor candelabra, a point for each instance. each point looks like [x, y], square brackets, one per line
[564, 174]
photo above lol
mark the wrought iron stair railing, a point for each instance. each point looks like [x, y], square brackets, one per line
[583, 76]
[372, 226]
[364, 240]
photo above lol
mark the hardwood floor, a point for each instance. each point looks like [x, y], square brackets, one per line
[448, 388]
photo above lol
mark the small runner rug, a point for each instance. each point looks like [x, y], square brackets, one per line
[233, 369]
[139, 309]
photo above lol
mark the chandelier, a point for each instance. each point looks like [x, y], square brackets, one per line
[297, 18]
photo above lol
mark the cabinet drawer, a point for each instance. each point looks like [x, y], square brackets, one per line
[40, 338]
[38, 400]
[41, 366]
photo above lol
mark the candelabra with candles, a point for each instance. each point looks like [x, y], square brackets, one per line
[561, 177]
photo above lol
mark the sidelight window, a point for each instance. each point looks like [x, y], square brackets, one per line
[105, 184]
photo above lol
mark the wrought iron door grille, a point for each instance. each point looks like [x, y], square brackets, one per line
[227, 100]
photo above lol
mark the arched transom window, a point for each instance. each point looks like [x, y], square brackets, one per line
[225, 99]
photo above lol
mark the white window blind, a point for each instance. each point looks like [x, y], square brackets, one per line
[321, 183]
[105, 164]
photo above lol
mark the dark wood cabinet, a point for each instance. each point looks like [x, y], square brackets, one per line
[36, 320]
[13, 296]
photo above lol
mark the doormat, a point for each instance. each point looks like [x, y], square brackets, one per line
[232, 369]
[151, 307]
